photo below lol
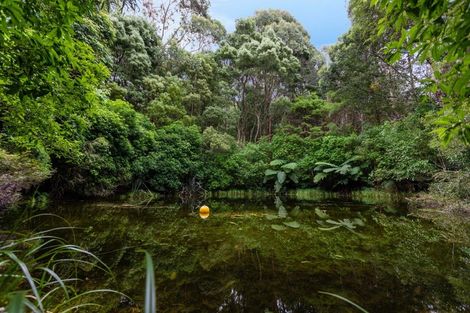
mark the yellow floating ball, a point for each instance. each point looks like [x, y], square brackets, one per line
[204, 212]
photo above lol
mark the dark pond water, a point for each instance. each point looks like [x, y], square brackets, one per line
[254, 254]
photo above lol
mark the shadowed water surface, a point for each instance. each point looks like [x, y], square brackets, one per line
[255, 255]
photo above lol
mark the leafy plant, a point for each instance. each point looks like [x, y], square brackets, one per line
[343, 174]
[280, 171]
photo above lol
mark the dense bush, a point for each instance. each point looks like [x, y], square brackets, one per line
[175, 160]
[399, 152]
[117, 138]
[330, 148]
[247, 165]
[451, 184]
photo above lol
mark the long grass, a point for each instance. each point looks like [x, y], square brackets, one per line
[39, 272]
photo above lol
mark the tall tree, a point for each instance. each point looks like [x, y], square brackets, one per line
[268, 56]
[185, 23]
[137, 52]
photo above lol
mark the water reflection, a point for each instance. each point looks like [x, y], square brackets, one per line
[235, 262]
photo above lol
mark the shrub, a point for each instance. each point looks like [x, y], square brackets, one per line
[346, 174]
[175, 160]
[117, 138]
[247, 166]
[399, 152]
[452, 184]
[289, 147]
[330, 149]
[217, 142]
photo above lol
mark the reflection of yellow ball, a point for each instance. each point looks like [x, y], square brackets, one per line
[204, 211]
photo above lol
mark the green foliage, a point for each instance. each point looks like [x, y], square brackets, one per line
[436, 33]
[329, 148]
[136, 51]
[48, 78]
[307, 112]
[248, 165]
[117, 140]
[280, 171]
[175, 161]
[221, 118]
[399, 152]
[263, 67]
[216, 141]
[289, 147]
[359, 80]
[39, 272]
[451, 184]
[344, 174]
[165, 99]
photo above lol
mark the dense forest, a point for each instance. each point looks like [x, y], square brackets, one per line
[99, 97]
[335, 178]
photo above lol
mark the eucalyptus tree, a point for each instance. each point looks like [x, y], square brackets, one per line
[268, 56]
[185, 23]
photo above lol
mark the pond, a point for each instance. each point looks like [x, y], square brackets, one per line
[258, 254]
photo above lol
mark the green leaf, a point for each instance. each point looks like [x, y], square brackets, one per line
[290, 166]
[321, 213]
[319, 177]
[282, 213]
[359, 222]
[293, 177]
[271, 217]
[325, 163]
[277, 162]
[27, 274]
[278, 227]
[269, 172]
[345, 300]
[292, 224]
[281, 177]
[277, 186]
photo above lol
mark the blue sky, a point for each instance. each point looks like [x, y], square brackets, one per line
[325, 20]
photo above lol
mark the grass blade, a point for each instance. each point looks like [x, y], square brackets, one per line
[27, 274]
[357, 306]
[150, 301]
